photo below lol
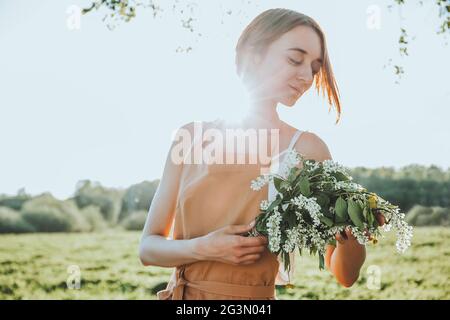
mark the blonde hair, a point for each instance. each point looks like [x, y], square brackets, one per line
[269, 26]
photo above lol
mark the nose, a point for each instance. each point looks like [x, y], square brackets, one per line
[305, 75]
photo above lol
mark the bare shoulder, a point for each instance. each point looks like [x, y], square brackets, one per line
[313, 147]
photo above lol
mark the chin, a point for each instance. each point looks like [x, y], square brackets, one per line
[289, 101]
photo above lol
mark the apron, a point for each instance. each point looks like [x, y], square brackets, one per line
[210, 197]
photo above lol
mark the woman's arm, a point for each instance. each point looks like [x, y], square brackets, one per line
[346, 258]
[155, 249]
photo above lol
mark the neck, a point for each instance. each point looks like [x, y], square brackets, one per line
[263, 113]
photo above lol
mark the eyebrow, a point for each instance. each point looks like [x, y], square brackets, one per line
[305, 52]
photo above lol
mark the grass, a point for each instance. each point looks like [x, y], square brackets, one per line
[35, 266]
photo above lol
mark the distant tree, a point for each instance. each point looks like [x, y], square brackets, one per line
[138, 197]
[443, 27]
[108, 200]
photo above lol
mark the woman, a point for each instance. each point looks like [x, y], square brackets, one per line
[278, 56]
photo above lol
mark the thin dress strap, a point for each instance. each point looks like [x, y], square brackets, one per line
[294, 139]
[291, 144]
[284, 276]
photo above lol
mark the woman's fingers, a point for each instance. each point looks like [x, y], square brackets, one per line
[344, 235]
[340, 238]
[349, 234]
[251, 250]
[367, 234]
[253, 241]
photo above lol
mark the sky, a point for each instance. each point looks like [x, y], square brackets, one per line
[81, 101]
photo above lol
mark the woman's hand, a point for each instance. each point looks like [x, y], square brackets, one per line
[228, 246]
[346, 259]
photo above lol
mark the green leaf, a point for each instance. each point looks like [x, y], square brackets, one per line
[328, 214]
[366, 213]
[355, 213]
[341, 210]
[321, 262]
[276, 182]
[370, 216]
[293, 174]
[374, 221]
[304, 186]
[326, 220]
[274, 203]
[323, 201]
[340, 176]
[284, 185]
[286, 261]
[291, 219]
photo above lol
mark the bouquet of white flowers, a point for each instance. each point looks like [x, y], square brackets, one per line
[318, 200]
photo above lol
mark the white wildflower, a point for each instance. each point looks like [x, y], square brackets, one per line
[348, 186]
[260, 182]
[312, 165]
[310, 205]
[264, 205]
[360, 236]
[274, 232]
[403, 230]
[317, 239]
[291, 160]
[292, 239]
[330, 166]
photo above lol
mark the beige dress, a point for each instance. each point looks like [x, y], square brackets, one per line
[210, 197]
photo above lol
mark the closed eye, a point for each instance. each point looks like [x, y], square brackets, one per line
[294, 62]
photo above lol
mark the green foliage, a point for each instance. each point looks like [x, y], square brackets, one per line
[14, 202]
[94, 218]
[135, 221]
[12, 222]
[413, 184]
[428, 216]
[355, 213]
[341, 210]
[138, 197]
[47, 214]
[108, 200]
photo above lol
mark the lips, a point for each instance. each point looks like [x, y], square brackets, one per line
[295, 88]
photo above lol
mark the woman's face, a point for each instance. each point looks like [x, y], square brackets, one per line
[288, 68]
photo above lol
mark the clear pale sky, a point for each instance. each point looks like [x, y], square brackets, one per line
[96, 104]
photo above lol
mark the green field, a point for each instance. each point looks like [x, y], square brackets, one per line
[35, 266]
